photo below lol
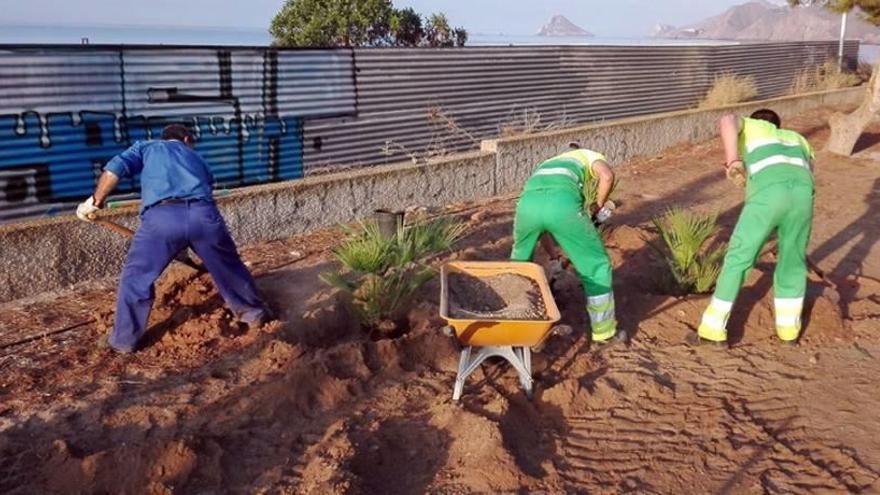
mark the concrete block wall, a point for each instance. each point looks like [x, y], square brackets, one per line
[46, 255]
[52, 254]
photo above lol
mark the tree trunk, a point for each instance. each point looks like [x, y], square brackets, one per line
[846, 128]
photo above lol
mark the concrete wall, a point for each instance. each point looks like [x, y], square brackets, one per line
[52, 254]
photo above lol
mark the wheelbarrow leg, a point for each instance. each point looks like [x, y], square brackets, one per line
[522, 363]
[518, 357]
[462, 372]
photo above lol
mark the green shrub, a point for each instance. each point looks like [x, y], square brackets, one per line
[693, 267]
[380, 274]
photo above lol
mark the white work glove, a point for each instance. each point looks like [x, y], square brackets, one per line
[736, 172]
[603, 214]
[86, 210]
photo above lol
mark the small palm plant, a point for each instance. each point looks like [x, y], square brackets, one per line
[381, 273]
[693, 266]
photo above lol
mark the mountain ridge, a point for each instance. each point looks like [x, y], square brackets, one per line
[759, 20]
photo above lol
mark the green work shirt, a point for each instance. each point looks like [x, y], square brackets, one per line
[568, 172]
[774, 155]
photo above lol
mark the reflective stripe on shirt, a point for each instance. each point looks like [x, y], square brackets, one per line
[558, 171]
[756, 167]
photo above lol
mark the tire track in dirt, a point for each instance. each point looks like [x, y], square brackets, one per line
[681, 410]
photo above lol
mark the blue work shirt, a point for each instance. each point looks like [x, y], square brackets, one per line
[169, 169]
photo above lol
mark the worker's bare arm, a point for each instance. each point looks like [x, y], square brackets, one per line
[606, 181]
[729, 127]
[106, 184]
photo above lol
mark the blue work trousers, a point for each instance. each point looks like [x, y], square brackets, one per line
[167, 229]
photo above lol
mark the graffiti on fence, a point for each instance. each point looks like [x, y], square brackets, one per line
[64, 113]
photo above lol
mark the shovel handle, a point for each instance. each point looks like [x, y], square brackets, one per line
[115, 227]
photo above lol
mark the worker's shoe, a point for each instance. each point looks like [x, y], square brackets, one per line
[696, 340]
[713, 325]
[103, 343]
[788, 318]
[265, 317]
[616, 337]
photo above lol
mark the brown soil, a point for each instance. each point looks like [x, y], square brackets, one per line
[312, 405]
[506, 296]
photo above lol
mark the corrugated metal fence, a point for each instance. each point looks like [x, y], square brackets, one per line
[65, 111]
[265, 115]
[417, 101]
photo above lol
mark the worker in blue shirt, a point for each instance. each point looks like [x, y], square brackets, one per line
[177, 211]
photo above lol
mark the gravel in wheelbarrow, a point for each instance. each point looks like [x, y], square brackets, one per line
[505, 296]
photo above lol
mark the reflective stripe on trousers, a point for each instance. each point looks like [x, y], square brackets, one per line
[788, 317]
[714, 323]
[602, 320]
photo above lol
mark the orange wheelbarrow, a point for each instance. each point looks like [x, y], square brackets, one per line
[483, 338]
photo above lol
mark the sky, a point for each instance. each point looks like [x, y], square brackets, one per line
[614, 18]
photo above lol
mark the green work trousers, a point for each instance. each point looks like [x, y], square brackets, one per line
[786, 207]
[560, 212]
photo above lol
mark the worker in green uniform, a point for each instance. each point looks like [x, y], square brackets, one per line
[553, 201]
[777, 164]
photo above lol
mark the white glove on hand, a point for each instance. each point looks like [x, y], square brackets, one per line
[87, 209]
[737, 173]
[603, 214]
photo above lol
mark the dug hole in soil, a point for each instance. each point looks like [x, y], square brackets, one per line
[311, 404]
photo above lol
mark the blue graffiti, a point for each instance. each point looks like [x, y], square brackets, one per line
[56, 158]
[64, 113]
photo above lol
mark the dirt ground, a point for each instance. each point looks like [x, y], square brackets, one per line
[312, 405]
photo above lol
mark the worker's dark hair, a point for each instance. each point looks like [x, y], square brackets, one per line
[767, 115]
[176, 131]
[574, 145]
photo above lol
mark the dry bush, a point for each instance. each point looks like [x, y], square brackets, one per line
[864, 71]
[823, 77]
[529, 121]
[729, 89]
[446, 133]
[447, 136]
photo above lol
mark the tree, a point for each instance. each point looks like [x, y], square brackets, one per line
[406, 27]
[331, 22]
[846, 128]
[438, 33]
[360, 23]
[870, 8]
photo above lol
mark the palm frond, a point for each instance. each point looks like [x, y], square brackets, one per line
[685, 235]
[382, 274]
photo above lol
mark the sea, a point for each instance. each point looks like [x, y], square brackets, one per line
[228, 36]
